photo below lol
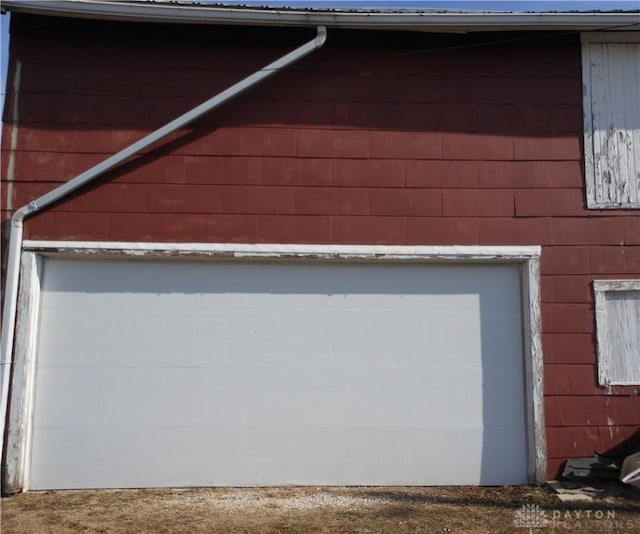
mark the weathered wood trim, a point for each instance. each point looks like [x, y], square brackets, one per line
[533, 365]
[608, 37]
[527, 256]
[16, 462]
[600, 289]
[280, 251]
[616, 285]
[587, 121]
[622, 189]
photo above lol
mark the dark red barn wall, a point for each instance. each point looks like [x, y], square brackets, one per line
[378, 138]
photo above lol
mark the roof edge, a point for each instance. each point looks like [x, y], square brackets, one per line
[194, 13]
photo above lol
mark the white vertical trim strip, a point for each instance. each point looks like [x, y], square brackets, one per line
[636, 131]
[587, 113]
[533, 364]
[609, 157]
[632, 104]
[631, 98]
[15, 475]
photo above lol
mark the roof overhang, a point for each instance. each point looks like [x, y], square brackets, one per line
[369, 19]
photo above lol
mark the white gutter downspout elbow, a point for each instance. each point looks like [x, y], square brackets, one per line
[57, 194]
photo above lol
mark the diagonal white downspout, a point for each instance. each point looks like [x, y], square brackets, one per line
[15, 239]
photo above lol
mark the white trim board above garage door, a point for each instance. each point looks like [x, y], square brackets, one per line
[355, 273]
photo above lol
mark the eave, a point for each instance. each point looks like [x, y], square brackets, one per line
[379, 19]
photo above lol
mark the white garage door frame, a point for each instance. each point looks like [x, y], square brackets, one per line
[18, 445]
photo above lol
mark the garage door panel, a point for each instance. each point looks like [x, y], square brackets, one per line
[72, 350]
[497, 340]
[78, 397]
[177, 323]
[504, 453]
[448, 284]
[276, 455]
[63, 398]
[161, 374]
[165, 339]
[196, 396]
[503, 400]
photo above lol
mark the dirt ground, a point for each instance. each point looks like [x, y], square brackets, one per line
[322, 510]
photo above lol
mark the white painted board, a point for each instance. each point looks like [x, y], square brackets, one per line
[618, 331]
[242, 373]
[611, 72]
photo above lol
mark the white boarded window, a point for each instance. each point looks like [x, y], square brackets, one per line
[618, 331]
[611, 82]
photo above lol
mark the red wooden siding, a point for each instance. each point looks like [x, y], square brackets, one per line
[378, 138]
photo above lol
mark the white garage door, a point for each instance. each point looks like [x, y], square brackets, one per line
[198, 374]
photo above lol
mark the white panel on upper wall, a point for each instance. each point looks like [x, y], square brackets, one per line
[611, 77]
[242, 373]
[618, 331]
